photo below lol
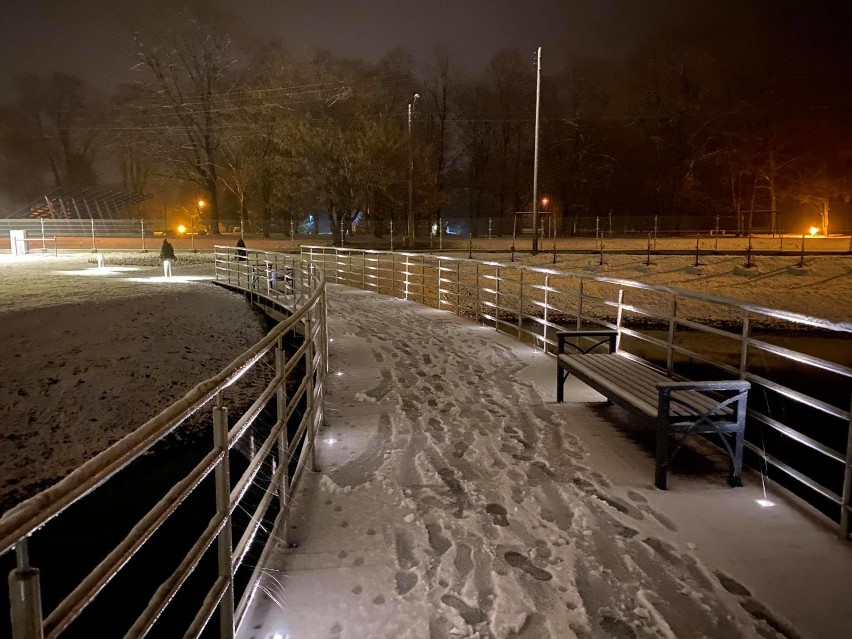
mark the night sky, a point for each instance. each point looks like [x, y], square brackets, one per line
[92, 38]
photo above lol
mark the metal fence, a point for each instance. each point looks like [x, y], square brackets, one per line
[80, 228]
[276, 463]
[799, 413]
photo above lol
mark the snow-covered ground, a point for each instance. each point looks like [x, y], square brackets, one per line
[87, 355]
[822, 288]
[456, 499]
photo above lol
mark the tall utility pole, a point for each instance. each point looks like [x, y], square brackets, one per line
[535, 152]
[411, 176]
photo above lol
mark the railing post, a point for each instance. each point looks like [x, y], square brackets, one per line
[619, 316]
[670, 341]
[283, 436]
[458, 287]
[544, 325]
[423, 280]
[277, 275]
[311, 407]
[744, 346]
[476, 287]
[223, 508]
[239, 267]
[520, 303]
[407, 269]
[846, 501]
[496, 297]
[324, 328]
[580, 304]
[440, 271]
[393, 275]
[25, 597]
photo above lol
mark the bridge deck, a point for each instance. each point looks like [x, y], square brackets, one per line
[457, 499]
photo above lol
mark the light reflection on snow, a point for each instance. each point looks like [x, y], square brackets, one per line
[106, 270]
[765, 503]
[174, 279]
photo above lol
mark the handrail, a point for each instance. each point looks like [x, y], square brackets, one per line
[790, 316]
[33, 513]
[256, 273]
[533, 302]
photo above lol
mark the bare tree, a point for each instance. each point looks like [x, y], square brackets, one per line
[132, 141]
[62, 119]
[190, 71]
[440, 90]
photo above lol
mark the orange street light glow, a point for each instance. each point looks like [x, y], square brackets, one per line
[181, 229]
[201, 203]
[813, 231]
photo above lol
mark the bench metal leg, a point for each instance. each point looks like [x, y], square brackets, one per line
[661, 468]
[735, 477]
[561, 376]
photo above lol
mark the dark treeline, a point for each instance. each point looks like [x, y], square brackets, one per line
[751, 126]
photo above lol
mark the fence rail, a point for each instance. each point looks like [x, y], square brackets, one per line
[292, 436]
[799, 413]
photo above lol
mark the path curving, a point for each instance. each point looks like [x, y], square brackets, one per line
[455, 500]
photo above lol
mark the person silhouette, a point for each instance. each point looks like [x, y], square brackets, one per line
[167, 254]
[242, 253]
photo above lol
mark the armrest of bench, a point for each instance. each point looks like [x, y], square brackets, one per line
[721, 385]
[735, 393]
[609, 335]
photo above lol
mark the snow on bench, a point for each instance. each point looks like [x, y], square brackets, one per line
[676, 408]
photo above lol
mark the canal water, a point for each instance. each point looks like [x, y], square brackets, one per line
[68, 547]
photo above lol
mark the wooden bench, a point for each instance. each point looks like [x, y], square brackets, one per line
[676, 408]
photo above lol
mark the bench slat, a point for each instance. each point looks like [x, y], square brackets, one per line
[671, 406]
[617, 374]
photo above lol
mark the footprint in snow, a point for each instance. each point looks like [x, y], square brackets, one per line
[731, 585]
[498, 514]
[517, 560]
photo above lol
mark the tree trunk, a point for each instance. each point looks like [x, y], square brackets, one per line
[824, 216]
[214, 204]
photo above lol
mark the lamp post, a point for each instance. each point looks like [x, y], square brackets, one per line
[411, 175]
[199, 204]
[535, 152]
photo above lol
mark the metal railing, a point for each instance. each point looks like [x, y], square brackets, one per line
[799, 413]
[291, 436]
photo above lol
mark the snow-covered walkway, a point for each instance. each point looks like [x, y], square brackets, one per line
[456, 499]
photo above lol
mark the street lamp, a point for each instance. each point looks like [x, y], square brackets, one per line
[535, 151]
[199, 204]
[410, 175]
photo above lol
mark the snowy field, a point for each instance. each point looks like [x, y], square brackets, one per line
[90, 354]
[822, 288]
